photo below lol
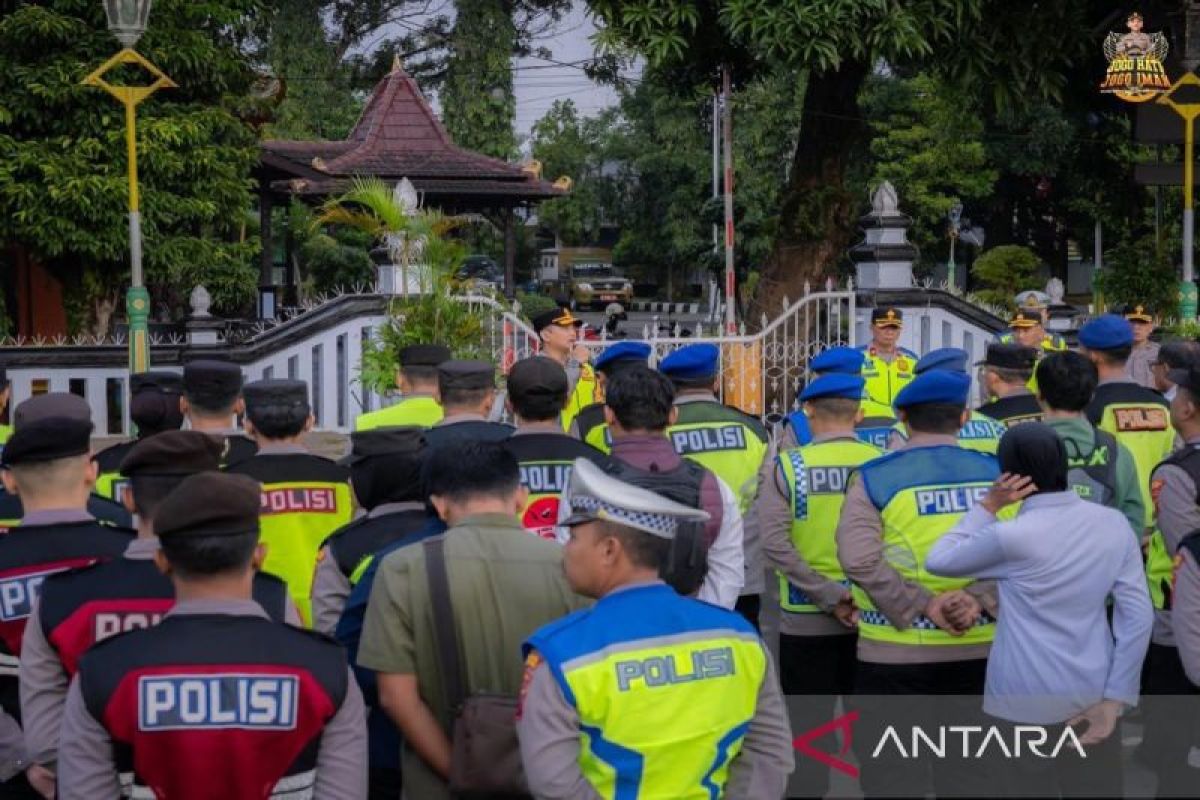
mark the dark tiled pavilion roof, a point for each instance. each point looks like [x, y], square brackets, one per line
[398, 136]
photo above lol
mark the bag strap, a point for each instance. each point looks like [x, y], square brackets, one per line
[449, 657]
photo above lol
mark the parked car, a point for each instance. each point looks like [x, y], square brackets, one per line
[480, 272]
[595, 286]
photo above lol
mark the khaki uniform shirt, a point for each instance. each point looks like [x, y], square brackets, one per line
[860, 551]
[1138, 365]
[504, 585]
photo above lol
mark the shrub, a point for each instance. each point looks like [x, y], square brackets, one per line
[1006, 270]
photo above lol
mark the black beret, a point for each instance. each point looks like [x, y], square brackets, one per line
[1009, 356]
[48, 439]
[212, 377]
[423, 355]
[275, 392]
[173, 453]
[394, 441]
[161, 381]
[537, 375]
[466, 375]
[556, 316]
[53, 405]
[189, 509]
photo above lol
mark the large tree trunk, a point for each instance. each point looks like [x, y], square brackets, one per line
[818, 209]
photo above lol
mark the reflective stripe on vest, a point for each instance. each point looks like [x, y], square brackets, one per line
[295, 520]
[1146, 431]
[112, 485]
[922, 493]
[981, 433]
[582, 395]
[665, 689]
[816, 476]
[1160, 563]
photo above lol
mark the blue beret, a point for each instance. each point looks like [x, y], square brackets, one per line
[935, 386]
[834, 385]
[846, 360]
[622, 351]
[951, 358]
[1106, 333]
[691, 363]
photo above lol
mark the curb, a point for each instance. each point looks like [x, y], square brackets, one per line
[665, 308]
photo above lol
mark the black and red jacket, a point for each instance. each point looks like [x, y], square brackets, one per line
[28, 555]
[215, 705]
[85, 606]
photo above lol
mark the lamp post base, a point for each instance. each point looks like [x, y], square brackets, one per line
[137, 309]
[1187, 300]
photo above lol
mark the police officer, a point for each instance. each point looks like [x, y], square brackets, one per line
[1007, 370]
[216, 698]
[5, 396]
[558, 330]
[305, 497]
[980, 432]
[385, 474]
[104, 510]
[212, 397]
[723, 439]
[1100, 469]
[1138, 417]
[153, 408]
[917, 634]
[537, 393]
[1145, 352]
[874, 427]
[1028, 325]
[79, 607]
[1175, 487]
[417, 381]
[887, 367]
[593, 682]
[48, 464]
[589, 425]
[798, 509]
[468, 391]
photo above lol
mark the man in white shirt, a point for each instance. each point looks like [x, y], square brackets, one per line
[1055, 660]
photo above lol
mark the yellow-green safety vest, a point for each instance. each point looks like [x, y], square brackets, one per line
[583, 394]
[981, 433]
[921, 493]
[885, 379]
[816, 476]
[664, 686]
[1140, 419]
[422, 411]
[723, 440]
[1051, 342]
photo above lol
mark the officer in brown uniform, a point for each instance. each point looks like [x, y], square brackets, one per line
[48, 465]
[81, 607]
[216, 700]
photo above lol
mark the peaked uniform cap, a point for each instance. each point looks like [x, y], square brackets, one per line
[596, 495]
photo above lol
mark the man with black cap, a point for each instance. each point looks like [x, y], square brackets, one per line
[1144, 352]
[153, 408]
[1028, 325]
[212, 397]
[887, 367]
[385, 475]
[104, 510]
[48, 465]
[537, 392]
[417, 380]
[558, 330]
[467, 389]
[1173, 355]
[216, 698]
[589, 425]
[305, 497]
[80, 607]
[1005, 376]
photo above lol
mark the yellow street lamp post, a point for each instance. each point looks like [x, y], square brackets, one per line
[127, 21]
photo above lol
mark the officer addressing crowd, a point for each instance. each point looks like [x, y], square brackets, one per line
[568, 586]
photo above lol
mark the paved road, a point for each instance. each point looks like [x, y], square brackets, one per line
[638, 320]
